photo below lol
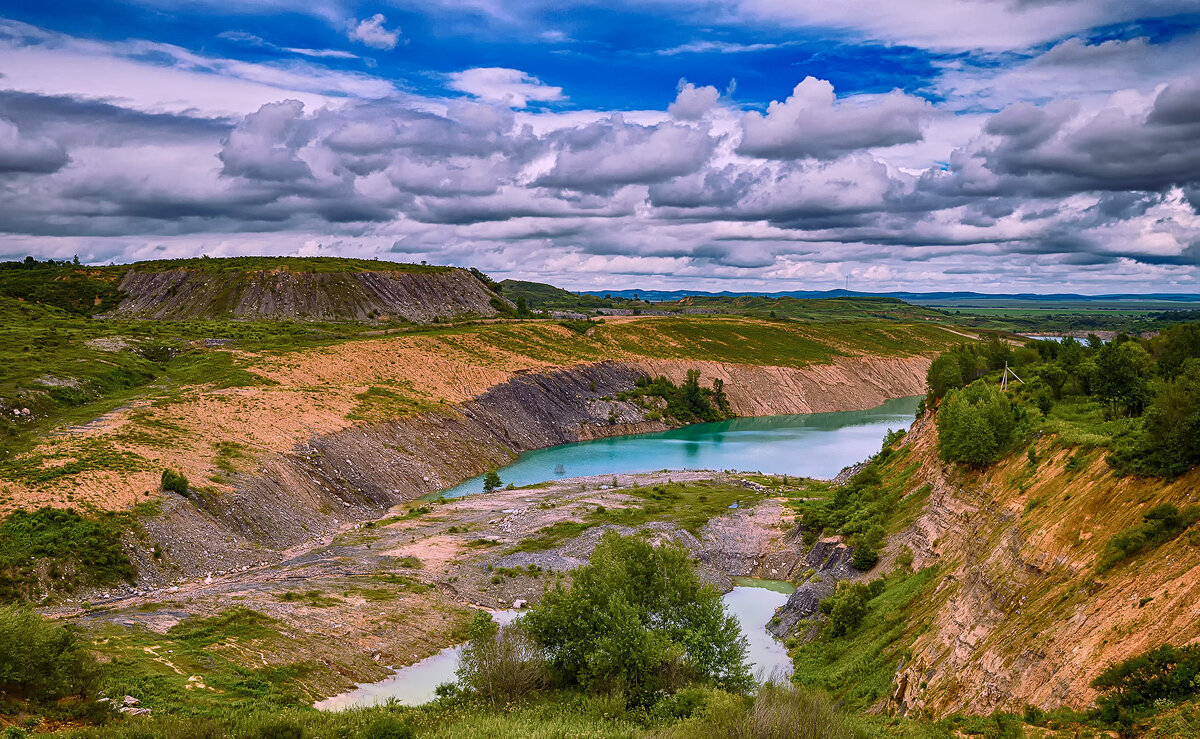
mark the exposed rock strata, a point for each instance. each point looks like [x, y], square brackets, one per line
[356, 474]
[420, 297]
[1019, 615]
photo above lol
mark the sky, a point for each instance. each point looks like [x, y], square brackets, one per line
[989, 145]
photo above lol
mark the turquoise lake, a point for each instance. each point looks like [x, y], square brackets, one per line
[811, 445]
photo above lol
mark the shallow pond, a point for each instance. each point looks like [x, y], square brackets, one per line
[810, 445]
[752, 602]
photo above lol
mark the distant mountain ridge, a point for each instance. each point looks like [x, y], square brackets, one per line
[659, 296]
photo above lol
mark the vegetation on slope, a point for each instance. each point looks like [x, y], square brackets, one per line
[540, 296]
[1147, 389]
[807, 309]
[60, 550]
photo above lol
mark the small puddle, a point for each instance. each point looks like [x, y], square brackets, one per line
[410, 686]
[752, 602]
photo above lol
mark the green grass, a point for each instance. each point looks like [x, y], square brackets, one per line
[1082, 422]
[311, 598]
[859, 667]
[59, 550]
[689, 505]
[383, 403]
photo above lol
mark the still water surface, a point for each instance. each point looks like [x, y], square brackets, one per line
[813, 445]
[810, 445]
[752, 602]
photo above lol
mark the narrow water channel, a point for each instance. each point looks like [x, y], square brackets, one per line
[752, 602]
[810, 445]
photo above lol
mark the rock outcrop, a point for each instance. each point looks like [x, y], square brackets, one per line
[827, 563]
[356, 474]
[285, 294]
[1018, 614]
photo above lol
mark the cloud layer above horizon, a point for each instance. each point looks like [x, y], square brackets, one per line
[993, 145]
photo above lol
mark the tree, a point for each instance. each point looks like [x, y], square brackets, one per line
[1120, 379]
[637, 620]
[976, 425]
[846, 608]
[1179, 344]
[1173, 424]
[522, 307]
[944, 375]
[491, 481]
[1055, 377]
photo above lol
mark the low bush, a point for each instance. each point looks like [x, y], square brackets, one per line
[1159, 525]
[1165, 673]
[501, 664]
[865, 557]
[846, 607]
[41, 660]
[175, 482]
[62, 545]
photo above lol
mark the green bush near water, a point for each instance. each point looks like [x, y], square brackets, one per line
[638, 622]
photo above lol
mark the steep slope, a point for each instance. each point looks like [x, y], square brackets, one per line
[296, 292]
[1018, 612]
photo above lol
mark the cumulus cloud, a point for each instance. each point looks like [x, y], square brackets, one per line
[691, 102]
[512, 87]
[1061, 148]
[612, 153]
[20, 153]
[1083, 189]
[371, 32]
[264, 145]
[812, 123]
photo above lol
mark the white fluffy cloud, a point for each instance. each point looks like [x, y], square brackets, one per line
[812, 123]
[372, 32]
[691, 102]
[511, 87]
[190, 154]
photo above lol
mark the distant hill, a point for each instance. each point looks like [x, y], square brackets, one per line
[931, 298]
[541, 296]
[256, 288]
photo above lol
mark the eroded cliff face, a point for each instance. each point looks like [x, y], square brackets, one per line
[846, 384]
[283, 294]
[305, 495]
[1019, 614]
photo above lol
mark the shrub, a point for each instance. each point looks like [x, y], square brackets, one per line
[41, 660]
[70, 548]
[175, 482]
[1163, 673]
[976, 425]
[1159, 525]
[864, 557]
[846, 608]
[501, 664]
[388, 727]
[638, 621]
